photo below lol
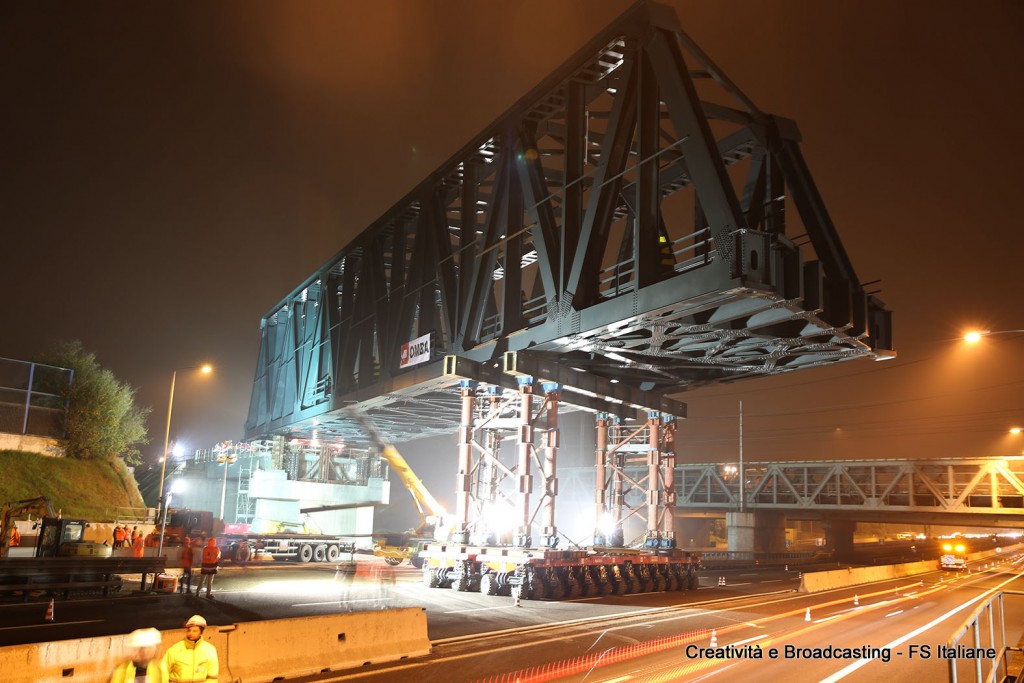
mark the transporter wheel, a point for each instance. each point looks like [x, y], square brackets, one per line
[305, 552]
[460, 583]
[489, 584]
[320, 553]
[430, 579]
[659, 582]
[672, 583]
[393, 561]
[243, 553]
[333, 553]
[537, 592]
[692, 581]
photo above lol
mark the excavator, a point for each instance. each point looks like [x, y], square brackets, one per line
[432, 527]
[9, 512]
[57, 536]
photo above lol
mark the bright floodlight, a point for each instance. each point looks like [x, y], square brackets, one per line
[1015, 430]
[206, 369]
[178, 450]
[974, 336]
[178, 486]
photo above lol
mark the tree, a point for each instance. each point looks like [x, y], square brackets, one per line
[102, 419]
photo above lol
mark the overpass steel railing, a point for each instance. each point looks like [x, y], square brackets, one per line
[30, 398]
[987, 629]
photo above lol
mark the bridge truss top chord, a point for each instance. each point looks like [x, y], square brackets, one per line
[625, 229]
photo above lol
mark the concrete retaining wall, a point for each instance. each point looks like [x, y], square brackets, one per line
[250, 652]
[43, 445]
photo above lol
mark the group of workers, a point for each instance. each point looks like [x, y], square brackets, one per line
[209, 565]
[189, 660]
[135, 539]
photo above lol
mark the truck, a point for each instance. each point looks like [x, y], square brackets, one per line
[953, 558]
[239, 544]
[295, 547]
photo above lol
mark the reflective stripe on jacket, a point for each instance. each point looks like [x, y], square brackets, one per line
[211, 557]
[189, 662]
[156, 672]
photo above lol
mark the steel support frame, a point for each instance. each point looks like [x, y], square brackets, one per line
[492, 487]
[635, 459]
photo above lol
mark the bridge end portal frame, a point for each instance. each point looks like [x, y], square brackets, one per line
[621, 234]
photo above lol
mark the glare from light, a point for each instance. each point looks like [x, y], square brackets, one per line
[974, 336]
[960, 548]
[947, 547]
[607, 523]
[178, 486]
[206, 369]
[178, 450]
[1015, 430]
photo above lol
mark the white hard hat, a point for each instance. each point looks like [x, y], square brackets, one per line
[196, 620]
[144, 637]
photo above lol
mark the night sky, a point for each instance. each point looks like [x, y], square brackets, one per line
[172, 170]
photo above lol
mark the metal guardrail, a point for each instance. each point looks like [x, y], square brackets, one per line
[987, 628]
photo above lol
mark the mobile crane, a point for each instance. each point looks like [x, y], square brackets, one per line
[432, 527]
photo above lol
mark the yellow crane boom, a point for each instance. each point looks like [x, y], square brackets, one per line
[431, 512]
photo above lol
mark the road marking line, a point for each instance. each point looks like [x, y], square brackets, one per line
[847, 670]
[773, 581]
[745, 583]
[56, 623]
[892, 614]
[478, 609]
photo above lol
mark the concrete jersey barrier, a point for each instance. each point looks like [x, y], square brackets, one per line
[813, 582]
[249, 652]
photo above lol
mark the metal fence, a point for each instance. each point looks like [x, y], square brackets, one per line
[30, 398]
[985, 628]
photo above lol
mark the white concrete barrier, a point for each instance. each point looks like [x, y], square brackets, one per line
[812, 582]
[250, 652]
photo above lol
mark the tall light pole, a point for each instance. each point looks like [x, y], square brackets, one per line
[225, 459]
[177, 487]
[204, 369]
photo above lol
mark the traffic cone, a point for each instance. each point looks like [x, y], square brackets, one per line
[807, 614]
[515, 594]
[856, 601]
[714, 638]
[721, 580]
[49, 612]
[787, 567]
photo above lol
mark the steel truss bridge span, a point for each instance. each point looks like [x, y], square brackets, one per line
[634, 224]
[984, 491]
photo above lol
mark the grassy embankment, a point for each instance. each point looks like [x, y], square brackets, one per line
[90, 489]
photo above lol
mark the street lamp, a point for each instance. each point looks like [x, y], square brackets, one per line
[974, 336]
[225, 459]
[177, 487]
[205, 369]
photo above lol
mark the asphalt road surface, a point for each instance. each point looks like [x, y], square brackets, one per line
[475, 636]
